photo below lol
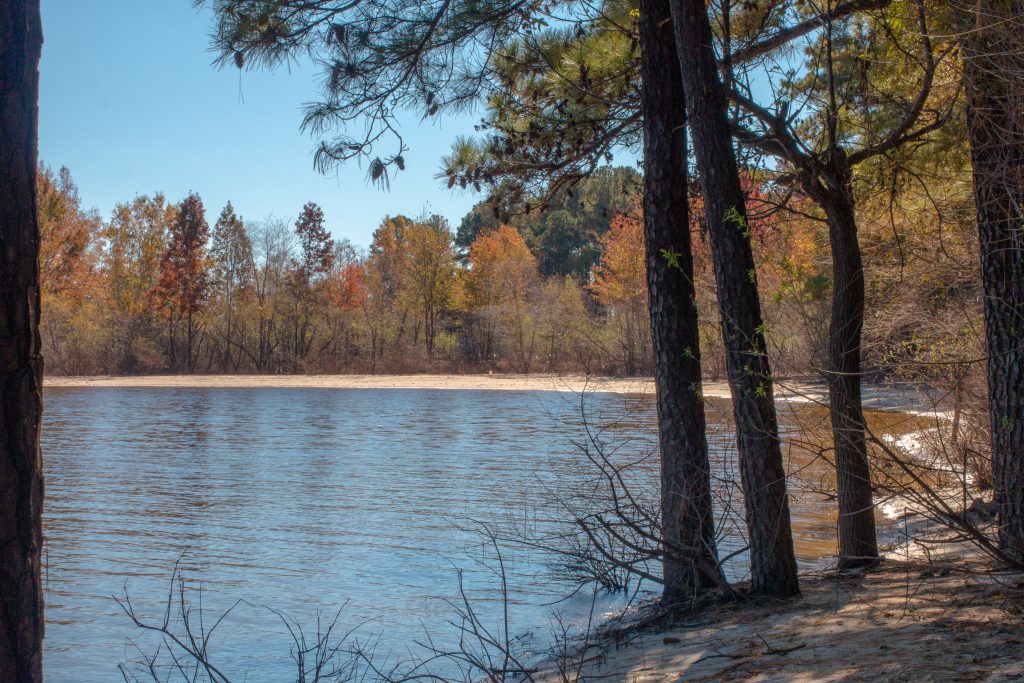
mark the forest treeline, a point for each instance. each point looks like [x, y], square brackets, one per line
[164, 286]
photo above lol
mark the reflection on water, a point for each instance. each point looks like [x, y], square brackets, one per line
[303, 499]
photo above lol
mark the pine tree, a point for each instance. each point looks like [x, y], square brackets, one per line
[21, 367]
[231, 251]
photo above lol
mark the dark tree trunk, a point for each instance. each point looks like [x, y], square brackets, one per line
[691, 558]
[172, 354]
[858, 544]
[21, 366]
[993, 63]
[772, 560]
[190, 339]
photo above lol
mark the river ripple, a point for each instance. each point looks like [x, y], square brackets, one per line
[310, 499]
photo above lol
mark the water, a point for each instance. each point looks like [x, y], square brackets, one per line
[317, 499]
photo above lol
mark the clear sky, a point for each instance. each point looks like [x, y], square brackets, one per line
[131, 104]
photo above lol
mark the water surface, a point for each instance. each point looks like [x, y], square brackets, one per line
[314, 499]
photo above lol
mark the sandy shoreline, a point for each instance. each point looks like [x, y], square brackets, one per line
[798, 391]
[565, 383]
[877, 397]
[948, 620]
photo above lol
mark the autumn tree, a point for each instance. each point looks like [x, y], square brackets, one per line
[68, 234]
[620, 284]
[183, 285]
[316, 246]
[74, 308]
[232, 270]
[21, 372]
[499, 285]
[386, 308]
[134, 240]
[315, 262]
[431, 272]
[346, 293]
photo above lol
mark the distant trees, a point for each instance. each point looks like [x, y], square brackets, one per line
[21, 365]
[308, 277]
[565, 229]
[134, 242]
[620, 285]
[431, 275]
[232, 273]
[500, 285]
[181, 289]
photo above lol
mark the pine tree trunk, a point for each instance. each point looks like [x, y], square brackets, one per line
[691, 558]
[21, 366]
[993, 63]
[772, 560]
[858, 545]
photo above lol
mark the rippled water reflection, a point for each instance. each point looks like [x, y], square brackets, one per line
[303, 499]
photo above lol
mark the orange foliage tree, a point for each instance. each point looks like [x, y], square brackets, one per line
[181, 291]
[501, 280]
[620, 285]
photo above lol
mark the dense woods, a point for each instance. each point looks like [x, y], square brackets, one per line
[153, 288]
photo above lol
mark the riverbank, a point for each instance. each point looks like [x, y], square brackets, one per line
[800, 389]
[950, 617]
[496, 382]
[884, 397]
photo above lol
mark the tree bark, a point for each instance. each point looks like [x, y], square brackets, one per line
[993, 63]
[690, 563]
[858, 544]
[772, 560]
[21, 474]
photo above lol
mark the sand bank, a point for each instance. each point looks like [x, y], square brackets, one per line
[568, 383]
[491, 382]
[948, 620]
[877, 397]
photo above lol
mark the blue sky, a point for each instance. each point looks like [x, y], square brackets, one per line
[131, 104]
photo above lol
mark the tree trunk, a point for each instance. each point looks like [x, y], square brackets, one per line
[190, 332]
[690, 564]
[172, 353]
[993, 59]
[21, 366]
[858, 545]
[772, 560]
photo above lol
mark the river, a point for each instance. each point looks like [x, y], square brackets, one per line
[315, 500]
